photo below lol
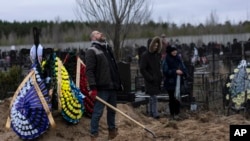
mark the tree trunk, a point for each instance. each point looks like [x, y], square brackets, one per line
[117, 42]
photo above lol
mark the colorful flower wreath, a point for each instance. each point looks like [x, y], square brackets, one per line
[239, 85]
[28, 117]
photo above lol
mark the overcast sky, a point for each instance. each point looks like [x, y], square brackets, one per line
[176, 11]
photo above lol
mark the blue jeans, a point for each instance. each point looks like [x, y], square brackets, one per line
[110, 97]
[153, 106]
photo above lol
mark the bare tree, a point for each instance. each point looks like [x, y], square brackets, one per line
[56, 34]
[213, 19]
[115, 17]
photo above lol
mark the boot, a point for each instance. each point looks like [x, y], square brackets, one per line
[93, 137]
[113, 133]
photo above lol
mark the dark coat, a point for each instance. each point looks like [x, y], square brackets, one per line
[101, 68]
[169, 67]
[150, 69]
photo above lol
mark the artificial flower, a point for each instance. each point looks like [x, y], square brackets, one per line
[248, 70]
[231, 76]
[236, 70]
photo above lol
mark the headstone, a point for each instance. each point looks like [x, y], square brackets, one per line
[125, 75]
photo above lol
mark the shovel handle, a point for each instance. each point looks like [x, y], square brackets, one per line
[117, 110]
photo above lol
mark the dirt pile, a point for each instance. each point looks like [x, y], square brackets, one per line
[195, 127]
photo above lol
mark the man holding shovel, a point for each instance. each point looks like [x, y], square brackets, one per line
[103, 80]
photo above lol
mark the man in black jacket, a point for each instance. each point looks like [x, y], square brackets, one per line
[104, 81]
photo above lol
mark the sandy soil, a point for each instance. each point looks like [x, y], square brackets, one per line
[202, 126]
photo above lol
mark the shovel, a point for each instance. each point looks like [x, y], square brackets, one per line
[117, 110]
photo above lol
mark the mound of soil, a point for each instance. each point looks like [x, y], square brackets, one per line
[202, 126]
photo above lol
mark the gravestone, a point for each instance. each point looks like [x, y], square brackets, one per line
[125, 75]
